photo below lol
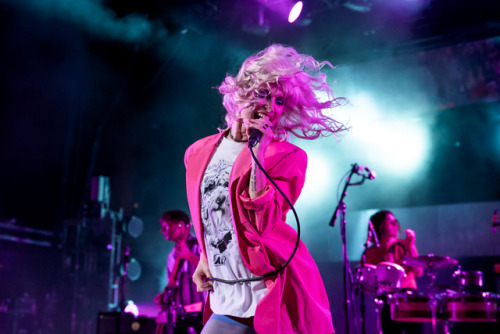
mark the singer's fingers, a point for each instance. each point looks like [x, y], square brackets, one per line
[262, 124]
[202, 285]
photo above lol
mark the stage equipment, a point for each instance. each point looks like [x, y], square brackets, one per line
[495, 223]
[467, 279]
[430, 261]
[124, 323]
[355, 169]
[295, 11]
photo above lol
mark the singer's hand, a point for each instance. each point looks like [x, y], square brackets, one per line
[258, 180]
[265, 126]
[200, 274]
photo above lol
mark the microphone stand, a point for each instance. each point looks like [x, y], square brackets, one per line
[342, 207]
[361, 292]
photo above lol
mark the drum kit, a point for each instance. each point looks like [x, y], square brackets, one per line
[465, 302]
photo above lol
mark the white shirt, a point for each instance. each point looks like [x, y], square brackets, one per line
[224, 258]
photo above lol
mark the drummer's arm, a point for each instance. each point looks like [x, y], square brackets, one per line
[413, 252]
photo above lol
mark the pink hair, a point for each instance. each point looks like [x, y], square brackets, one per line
[299, 77]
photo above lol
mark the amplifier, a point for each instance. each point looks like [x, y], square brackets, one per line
[118, 323]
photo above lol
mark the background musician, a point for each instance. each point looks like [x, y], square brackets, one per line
[392, 249]
[181, 264]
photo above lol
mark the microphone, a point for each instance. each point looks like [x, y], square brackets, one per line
[370, 174]
[495, 223]
[254, 138]
[368, 236]
[371, 229]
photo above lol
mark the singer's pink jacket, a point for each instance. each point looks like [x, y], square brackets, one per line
[297, 300]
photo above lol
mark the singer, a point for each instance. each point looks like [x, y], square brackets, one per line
[239, 216]
[393, 249]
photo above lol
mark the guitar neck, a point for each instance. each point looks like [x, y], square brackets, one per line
[175, 272]
[177, 265]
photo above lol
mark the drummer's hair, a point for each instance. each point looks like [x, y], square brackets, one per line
[378, 219]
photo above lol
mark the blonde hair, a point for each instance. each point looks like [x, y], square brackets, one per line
[300, 79]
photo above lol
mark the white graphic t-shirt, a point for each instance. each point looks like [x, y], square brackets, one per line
[224, 258]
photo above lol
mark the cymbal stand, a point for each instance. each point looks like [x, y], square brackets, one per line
[446, 327]
[379, 305]
[362, 293]
[169, 298]
[433, 304]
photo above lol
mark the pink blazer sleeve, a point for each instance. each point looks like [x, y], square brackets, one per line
[288, 172]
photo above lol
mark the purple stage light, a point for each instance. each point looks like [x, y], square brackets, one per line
[295, 11]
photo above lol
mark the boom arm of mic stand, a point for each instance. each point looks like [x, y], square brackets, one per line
[344, 193]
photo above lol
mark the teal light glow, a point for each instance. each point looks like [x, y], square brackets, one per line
[392, 141]
[318, 176]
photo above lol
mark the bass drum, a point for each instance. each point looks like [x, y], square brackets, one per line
[411, 306]
[466, 307]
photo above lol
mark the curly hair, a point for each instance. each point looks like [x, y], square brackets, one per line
[175, 215]
[300, 79]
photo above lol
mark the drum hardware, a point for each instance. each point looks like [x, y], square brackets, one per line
[389, 276]
[412, 306]
[379, 280]
[433, 304]
[379, 305]
[430, 261]
[366, 278]
[468, 279]
[384, 278]
[471, 307]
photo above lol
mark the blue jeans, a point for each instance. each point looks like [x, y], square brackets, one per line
[222, 324]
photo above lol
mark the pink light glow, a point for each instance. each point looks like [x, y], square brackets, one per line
[295, 12]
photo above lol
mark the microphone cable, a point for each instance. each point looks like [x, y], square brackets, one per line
[280, 269]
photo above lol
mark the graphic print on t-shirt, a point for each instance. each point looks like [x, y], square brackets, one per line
[215, 209]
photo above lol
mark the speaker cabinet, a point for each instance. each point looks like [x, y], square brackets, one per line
[118, 323]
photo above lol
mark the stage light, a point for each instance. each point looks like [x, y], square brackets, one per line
[295, 11]
[134, 270]
[131, 308]
[133, 226]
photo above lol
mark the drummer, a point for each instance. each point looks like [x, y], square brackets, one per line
[392, 249]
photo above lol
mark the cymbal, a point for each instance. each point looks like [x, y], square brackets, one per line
[430, 261]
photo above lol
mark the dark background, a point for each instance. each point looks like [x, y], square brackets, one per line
[122, 88]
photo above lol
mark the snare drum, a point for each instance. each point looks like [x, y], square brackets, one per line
[367, 278]
[389, 276]
[410, 306]
[468, 307]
